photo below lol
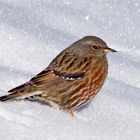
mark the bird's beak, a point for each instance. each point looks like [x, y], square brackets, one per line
[107, 50]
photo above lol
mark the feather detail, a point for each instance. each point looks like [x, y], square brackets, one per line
[69, 76]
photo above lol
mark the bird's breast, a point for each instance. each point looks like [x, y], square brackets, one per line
[80, 91]
[94, 80]
[97, 76]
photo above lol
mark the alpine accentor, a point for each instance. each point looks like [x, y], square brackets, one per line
[72, 79]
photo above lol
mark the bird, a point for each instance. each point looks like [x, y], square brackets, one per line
[71, 80]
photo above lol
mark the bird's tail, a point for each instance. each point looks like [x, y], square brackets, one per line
[7, 97]
[20, 92]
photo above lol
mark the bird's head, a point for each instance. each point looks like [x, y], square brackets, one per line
[93, 46]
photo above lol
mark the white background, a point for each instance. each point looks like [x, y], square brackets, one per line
[33, 32]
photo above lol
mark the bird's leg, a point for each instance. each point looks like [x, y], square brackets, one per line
[71, 113]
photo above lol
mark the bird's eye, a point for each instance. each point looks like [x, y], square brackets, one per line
[96, 47]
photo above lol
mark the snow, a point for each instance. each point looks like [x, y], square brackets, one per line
[33, 32]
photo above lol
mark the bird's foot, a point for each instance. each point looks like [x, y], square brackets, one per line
[71, 113]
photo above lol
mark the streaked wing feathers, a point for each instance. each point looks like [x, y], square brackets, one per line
[45, 76]
[42, 73]
[69, 76]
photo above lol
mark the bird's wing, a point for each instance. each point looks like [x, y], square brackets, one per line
[69, 76]
[65, 66]
[46, 75]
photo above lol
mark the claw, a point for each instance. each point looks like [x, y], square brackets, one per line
[71, 113]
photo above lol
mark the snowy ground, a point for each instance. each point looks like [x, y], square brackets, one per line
[32, 32]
